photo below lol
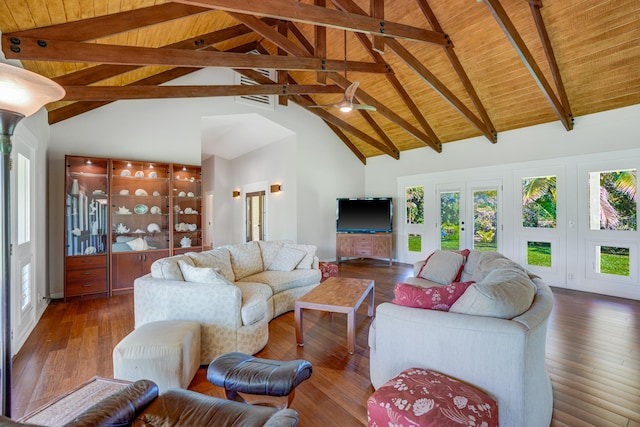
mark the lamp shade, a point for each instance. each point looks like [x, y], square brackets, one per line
[25, 92]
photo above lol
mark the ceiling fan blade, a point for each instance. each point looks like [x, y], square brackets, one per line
[364, 107]
[350, 91]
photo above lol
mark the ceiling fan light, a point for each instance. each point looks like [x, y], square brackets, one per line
[345, 108]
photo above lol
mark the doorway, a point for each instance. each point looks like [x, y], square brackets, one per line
[255, 216]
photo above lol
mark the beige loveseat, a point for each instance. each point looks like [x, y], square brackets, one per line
[232, 291]
[480, 340]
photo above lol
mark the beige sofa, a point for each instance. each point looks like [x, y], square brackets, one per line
[232, 291]
[476, 341]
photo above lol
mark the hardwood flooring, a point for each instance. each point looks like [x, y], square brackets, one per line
[593, 355]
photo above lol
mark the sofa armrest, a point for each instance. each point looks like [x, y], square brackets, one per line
[161, 299]
[416, 267]
[120, 408]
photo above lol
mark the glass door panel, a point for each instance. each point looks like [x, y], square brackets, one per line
[485, 220]
[451, 225]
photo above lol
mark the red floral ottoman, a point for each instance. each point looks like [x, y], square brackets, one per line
[328, 270]
[420, 397]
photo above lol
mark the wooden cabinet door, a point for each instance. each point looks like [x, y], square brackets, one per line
[126, 267]
[381, 245]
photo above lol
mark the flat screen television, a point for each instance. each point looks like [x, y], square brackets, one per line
[364, 215]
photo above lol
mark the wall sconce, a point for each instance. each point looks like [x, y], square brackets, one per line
[276, 188]
[22, 93]
[236, 193]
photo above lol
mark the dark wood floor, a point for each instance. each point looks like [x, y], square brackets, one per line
[593, 355]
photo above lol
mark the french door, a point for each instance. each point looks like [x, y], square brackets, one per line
[469, 216]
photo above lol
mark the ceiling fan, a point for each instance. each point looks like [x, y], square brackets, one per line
[346, 105]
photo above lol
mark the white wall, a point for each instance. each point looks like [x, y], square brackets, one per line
[315, 172]
[604, 141]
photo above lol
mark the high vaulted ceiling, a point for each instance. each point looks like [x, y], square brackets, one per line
[437, 71]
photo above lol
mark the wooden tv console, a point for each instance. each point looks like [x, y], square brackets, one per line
[364, 245]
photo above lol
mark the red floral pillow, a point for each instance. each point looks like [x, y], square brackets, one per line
[433, 298]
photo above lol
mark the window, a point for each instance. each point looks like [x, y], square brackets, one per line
[612, 260]
[25, 286]
[415, 243]
[415, 205]
[539, 254]
[24, 199]
[539, 202]
[612, 200]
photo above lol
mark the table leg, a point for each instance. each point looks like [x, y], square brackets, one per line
[351, 331]
[299, 326]
[370, 301]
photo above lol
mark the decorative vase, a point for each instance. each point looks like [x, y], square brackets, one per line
[75, 188]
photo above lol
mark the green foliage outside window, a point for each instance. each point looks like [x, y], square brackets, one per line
[539, 202]
[415, 205]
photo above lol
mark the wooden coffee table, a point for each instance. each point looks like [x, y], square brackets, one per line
[336, 295]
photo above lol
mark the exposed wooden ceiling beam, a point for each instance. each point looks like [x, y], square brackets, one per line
[424, 73]
[535, 6]
[320, 40]
[377, 11]
[519, 45]
[316, 15]
[457, 66]
[114, 93]
[102, 26]
[77, 108]
[283, 75]
[65, 51]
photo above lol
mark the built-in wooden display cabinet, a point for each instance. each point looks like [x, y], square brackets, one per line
[121, 216]
[187, 209]
[140, 219]
[364, 245]
[86, 230]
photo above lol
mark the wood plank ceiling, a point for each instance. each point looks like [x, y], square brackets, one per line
[436, 71]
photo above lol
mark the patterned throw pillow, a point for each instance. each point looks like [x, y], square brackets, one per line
[443, 267]
[286, 259]
[307, 261]
[202, 274]
[433, 298]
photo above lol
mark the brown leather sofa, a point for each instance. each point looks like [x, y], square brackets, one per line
[139, 405]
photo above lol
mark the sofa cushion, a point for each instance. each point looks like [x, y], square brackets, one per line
[216, 258]
[469, 265]
[490, 261]
[280, 281]
[245, 259]
[253, 309]
[287, 259]
[505, 293]
[443, 267]
[269, 249]
[168, 268]
[202, 274]
[433, 298]
[307, 262]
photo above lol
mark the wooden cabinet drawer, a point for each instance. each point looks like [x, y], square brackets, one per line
[362, 252]
[83, 262]
[358, 240]
[86, 275]
[79, 287]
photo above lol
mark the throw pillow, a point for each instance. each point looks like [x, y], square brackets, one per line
[443, 267]
[307, 261]
[433, 298]
[505, 293]
[286, 259]
[168, 268]
[245, 259]
[215, 258]
[201, 274]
